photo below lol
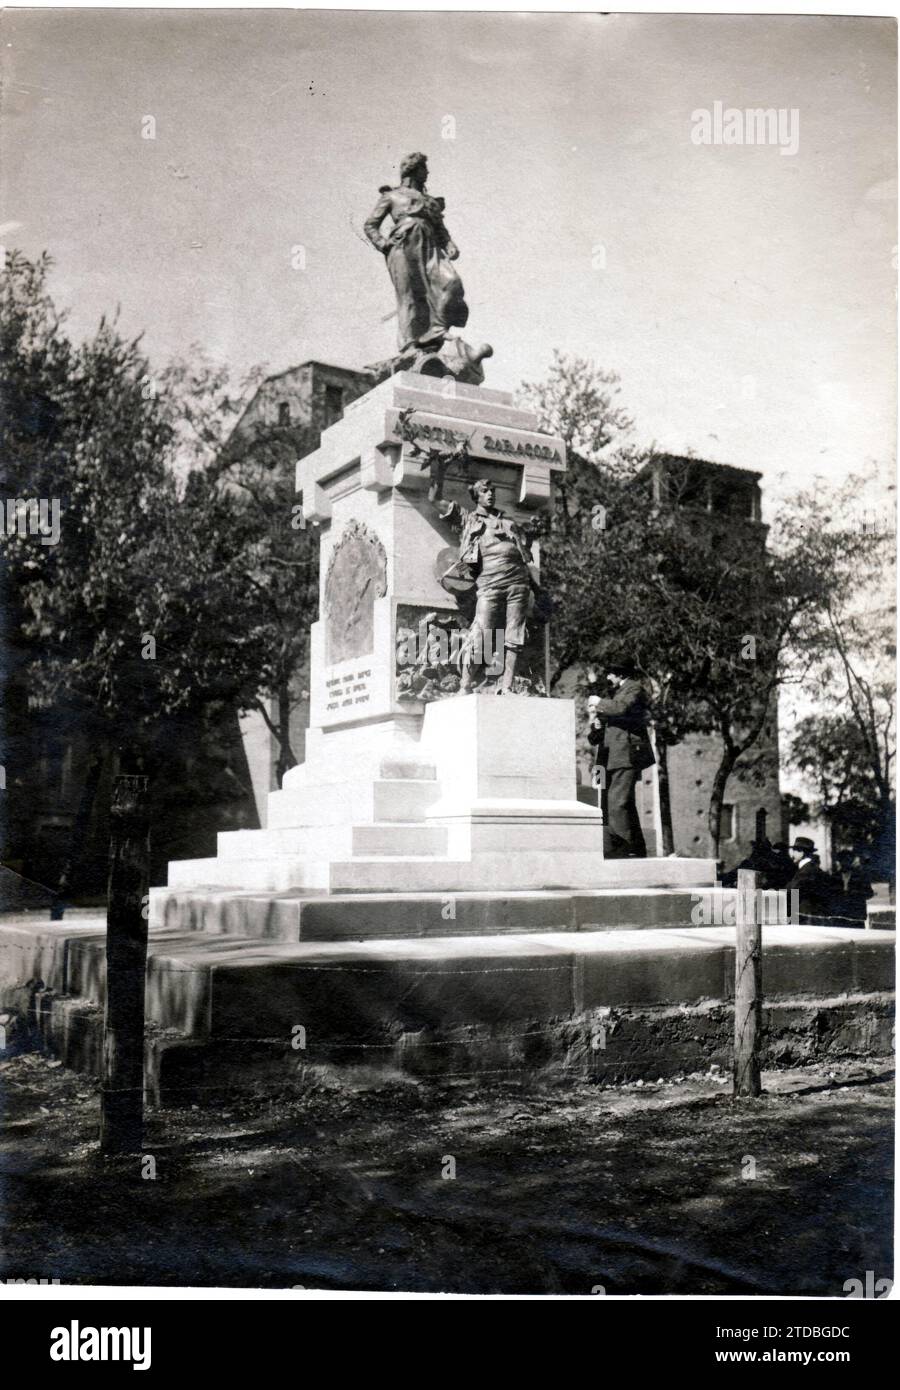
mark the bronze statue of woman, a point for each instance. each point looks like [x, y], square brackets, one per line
[419, 252]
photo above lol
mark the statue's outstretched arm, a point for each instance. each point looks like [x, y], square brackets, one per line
[372, 225]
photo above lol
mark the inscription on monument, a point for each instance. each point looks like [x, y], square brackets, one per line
[349, 690]
[481, 441]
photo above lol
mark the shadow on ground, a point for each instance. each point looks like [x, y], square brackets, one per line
[565, 1189]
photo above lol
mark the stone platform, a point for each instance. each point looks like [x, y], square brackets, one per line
[428, 892]
[225, 1011]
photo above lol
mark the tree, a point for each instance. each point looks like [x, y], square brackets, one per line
[830, 751]
[794, 810]
[615, 563]
[578, 402]
[715, 620]
[848, 747]
[137, 615]
[281, 571]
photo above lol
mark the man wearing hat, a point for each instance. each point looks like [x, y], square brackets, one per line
[619, 735]
[810, 882]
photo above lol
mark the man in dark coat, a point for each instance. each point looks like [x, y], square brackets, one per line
[852, 890]
[622, 746]
[811, 883]
[781, 869]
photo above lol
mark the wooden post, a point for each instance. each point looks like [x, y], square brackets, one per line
[122, 1097]
[747, 985]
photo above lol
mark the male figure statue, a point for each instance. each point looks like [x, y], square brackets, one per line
[495, 555]
[419, 251]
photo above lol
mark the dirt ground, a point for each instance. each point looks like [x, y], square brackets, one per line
[572, 1188]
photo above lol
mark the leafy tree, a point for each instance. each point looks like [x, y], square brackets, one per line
[829, 749]
[139, 615]
[281, 572]
[578, 402]
[794, 810]
[716, 621]
[848, 747]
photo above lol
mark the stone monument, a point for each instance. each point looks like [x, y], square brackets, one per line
[428, 893]
[412, 787]
[417, 777]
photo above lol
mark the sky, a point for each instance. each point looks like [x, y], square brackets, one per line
[746, 296]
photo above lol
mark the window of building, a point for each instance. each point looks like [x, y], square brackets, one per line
[284, 413]
[334, 404]
[55, 767]
[729, 821]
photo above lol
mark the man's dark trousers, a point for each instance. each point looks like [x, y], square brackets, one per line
[621, 809]
[623, 749]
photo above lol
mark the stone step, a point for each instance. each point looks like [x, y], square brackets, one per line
[336, 917]
[300, 842]
[270, 874]
[338, 803]
[409, 769]
[395, 839]
[538, 871]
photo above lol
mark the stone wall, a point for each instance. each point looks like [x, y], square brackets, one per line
[692, 766]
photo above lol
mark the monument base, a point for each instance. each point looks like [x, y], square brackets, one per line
[429, 866]
[477, 793]
[228, 1012]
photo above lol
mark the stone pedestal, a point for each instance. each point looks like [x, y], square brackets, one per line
[383, 546]
[409, 786]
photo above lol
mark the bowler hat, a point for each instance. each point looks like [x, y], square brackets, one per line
[805, 843]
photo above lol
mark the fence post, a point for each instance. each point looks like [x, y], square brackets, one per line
[122, 1095]
[747, 985]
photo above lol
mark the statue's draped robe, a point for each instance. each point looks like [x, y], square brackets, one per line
[430, 294]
